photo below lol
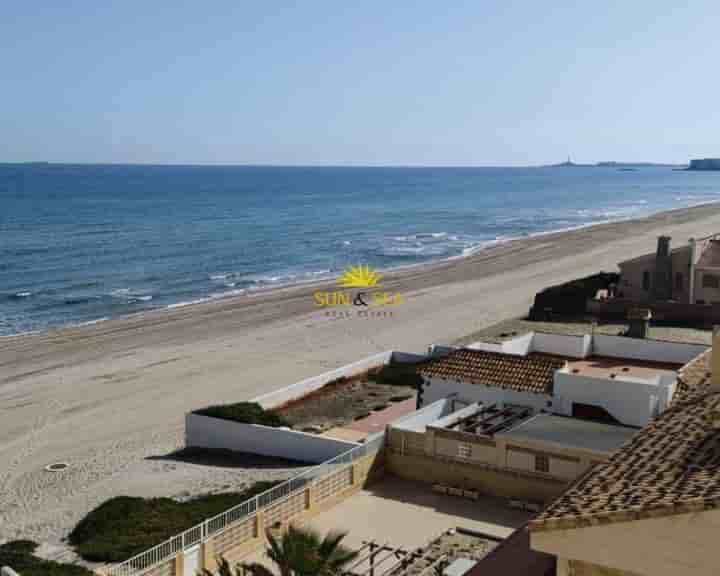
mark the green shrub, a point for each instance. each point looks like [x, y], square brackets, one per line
[125, 526]
[397, 375]
[245, 412]
[18, 554]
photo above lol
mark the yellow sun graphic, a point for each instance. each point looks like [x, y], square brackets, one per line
[359, 277]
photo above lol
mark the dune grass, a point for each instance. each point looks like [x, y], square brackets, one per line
[245, 412]
[125, 526]
[19, 555]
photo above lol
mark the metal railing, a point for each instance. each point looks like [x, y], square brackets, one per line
[216, 524]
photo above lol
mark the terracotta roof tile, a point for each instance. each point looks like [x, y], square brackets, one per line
[531, 373]
[672, 466]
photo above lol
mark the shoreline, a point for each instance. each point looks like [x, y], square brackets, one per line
[110, 398]
[390, 272]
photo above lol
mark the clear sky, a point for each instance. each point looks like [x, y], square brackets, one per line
[339, 82]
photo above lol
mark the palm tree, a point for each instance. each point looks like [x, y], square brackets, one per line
[223, 569]
[298, 552]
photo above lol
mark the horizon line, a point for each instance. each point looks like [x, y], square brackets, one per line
[598, 164]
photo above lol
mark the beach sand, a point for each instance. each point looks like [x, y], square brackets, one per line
[105, 398]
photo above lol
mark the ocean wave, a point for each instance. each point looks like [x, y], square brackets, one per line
[696, 198]
[91, 322]
[257, 282]
[145, 298]
[185, 303]
[430, 245]
[130, 296]
[420, 236]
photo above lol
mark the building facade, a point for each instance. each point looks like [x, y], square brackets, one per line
[689, 274]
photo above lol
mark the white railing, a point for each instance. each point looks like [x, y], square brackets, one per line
[211, 526]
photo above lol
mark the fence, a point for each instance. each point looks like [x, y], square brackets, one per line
[329, 477]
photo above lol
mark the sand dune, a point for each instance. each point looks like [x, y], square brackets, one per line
[105, 397]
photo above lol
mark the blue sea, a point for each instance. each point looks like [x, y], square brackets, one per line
[83, 243]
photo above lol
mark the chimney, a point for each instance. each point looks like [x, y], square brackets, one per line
[639, 322]
[662, 287]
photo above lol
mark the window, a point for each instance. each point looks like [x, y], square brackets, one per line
[710, 281]
[646, 280]
[542, 463]
[678, 281]
[464, 450]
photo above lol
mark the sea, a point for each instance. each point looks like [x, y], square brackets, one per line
[84, 243]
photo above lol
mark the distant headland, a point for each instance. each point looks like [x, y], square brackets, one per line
[704, 164]
[614, 164]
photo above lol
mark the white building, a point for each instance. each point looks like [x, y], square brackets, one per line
[614, 379]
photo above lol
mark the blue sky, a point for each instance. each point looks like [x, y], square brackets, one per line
[410, 83]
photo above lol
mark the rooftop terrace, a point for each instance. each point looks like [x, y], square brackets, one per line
[568, 432]
[606, 367]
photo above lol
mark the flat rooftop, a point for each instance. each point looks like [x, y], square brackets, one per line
[514, 327]
[605, 367]
[571, 432]
[486, 420]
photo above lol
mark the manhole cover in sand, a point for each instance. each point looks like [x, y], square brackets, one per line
[57, 466]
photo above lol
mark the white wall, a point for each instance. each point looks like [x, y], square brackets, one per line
[417, 421]
[440, 388]
[561, 344]
[641, 349]
[206, 432]
[633, 403]
[597, 344]
[300, 389]
[486, 346]
[521, 345]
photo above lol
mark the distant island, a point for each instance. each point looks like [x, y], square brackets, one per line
[704, 164]
[614, 164]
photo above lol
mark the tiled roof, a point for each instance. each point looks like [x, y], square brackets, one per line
[693, 379]
[671, 467]
[531, 373]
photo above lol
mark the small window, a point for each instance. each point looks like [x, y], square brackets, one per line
[464, 450]
[646, 280]
[542, 463]
[710, 281]
[678, 281]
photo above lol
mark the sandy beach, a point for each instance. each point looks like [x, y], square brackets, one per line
[109, 398]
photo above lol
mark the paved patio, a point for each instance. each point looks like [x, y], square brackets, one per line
[376, 422]
[407, 514]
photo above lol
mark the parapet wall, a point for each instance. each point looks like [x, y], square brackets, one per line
[216, 433]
